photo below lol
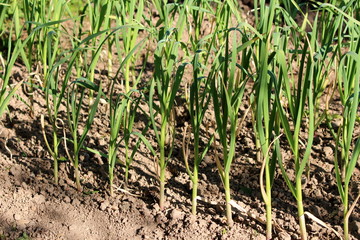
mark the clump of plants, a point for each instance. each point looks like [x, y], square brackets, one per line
[115, 57]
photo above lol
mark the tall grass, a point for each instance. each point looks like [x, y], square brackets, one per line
[300, 98]
[228, 82]
[120, 105]
[165, 84]
[75, 101]
[265, 112]
[348, 80]
[345, 162]
[129, 49]
[55, 93]
[199, 100]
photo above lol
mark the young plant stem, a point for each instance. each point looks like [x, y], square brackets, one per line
[76, 161]
[77, 173]
[346, 209]
[162, 164]
[300, 207]
[56, 154]
[195, 171]
[229, 219]
[268, 203]
[53, 150]
[194, 190]
[117, 110]
[111, 180]
[127, 166]
[162, 190]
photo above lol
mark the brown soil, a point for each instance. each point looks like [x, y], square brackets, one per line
[32, 205]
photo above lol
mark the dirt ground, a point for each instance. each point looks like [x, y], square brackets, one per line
[33, 207]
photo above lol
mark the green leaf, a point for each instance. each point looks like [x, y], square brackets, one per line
[351, 166]
[86, 83]
[146, 142]
[4, 103]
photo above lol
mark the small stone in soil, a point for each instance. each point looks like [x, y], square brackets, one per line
[125, 206]
[50, 189]
[75, 202]
[248, 141]
[318, 193]
[39, 199]
[156, 207]
[328, 152]
[102, 142]
[62, 183]
[98, 199]
[294, 236]
[213, 189]
[104, 205]
[67, 199]
[17, 217]
[189, 185]
[72, 228]
[166, 204]
[212, 226]
[14, 171]
[211, 211]
[176, 214]
[204, 177]
[207, 160]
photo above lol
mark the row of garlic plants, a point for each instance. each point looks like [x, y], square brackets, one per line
[286, 63]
